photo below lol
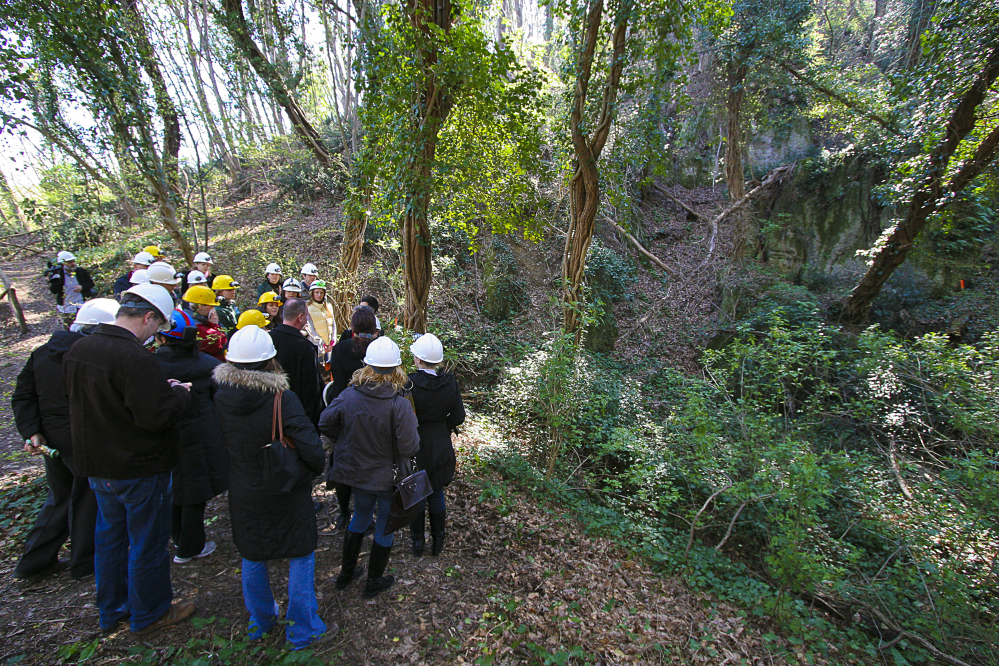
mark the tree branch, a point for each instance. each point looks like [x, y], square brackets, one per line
[648, 255]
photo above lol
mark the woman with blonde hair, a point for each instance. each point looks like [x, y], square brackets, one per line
[372, 425]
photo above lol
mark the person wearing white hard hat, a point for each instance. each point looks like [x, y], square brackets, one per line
[123, 413]
[139, 277]
[309, 274]
[272, 281]
[140, 262]
[71, 284]
[291, 288]
[371, 424]
[439, 411]
[166, 276]
[203, 264]
[41, 415]
[269, 527]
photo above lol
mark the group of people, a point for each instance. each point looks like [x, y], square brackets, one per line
[149, 407]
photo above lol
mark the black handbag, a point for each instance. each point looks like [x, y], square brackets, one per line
[409, 490]
[282, 465]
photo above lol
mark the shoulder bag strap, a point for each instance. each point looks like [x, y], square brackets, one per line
[276, 417]
[286, 442]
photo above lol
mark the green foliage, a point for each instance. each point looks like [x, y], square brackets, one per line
[859, 471]
[467, 155]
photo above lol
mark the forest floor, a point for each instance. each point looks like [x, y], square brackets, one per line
[518, 582]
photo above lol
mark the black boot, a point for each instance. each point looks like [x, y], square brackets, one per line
[437, 531]
[377, 561]
[417, 532]
[348, 564]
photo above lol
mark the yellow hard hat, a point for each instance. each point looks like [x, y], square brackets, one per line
[201, 295]
[224, 282]
[252, 318]
[268, 297]
[153, 250]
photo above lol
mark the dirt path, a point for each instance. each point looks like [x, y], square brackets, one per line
[40, 313]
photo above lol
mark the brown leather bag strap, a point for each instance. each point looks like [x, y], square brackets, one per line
[275, 416]
[285, 441]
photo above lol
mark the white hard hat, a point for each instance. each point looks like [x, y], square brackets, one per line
[143, 258]
[203, 258]
[293, 285]
[250, 344]
[139, 277]
[65, 256]
[273, 268]
[428, 348]
[97, 311]
[162, 273]
[196, 277]
[383, 355]
[155, 295]
[310, 269]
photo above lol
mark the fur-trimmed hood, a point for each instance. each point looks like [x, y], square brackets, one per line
[255, 380]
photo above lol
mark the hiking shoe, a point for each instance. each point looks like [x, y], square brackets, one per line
[56, 567]
[177, 614]
[205, 552]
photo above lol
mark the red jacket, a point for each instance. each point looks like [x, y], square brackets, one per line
[212, 340]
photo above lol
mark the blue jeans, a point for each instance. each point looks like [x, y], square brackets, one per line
[130, 558]
[364, 507]
[304, 624]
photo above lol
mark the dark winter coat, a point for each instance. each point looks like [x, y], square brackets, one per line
[202, 471]
[57, 281]
[123, 283]
[39, 399]
[439, 410]
[122, 410]
[298, 358]
[265, 527]
[228, 316]
[365, 444]
[266, 286]
[343, 364]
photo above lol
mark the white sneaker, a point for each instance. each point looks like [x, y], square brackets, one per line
[205, 552]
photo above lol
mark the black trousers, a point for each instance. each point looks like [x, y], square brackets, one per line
[69, 512]
[189, 529]
[343, 492]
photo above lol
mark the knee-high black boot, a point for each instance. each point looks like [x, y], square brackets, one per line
[377, 583]
[348, 563]
[437, 531]
[417, 531]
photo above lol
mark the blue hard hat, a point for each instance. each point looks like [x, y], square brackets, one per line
[180, 321]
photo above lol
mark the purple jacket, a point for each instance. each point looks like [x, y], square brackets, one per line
[360, 423]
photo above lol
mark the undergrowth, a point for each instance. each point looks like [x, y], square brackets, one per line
[804, 471]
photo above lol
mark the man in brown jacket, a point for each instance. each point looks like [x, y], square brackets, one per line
[122, 413]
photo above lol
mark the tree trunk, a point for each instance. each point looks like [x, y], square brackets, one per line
[585, 186]
[435, 104]
[239, 31]
[734, 172]
[8, 194]
[165, 107]
[926, 200]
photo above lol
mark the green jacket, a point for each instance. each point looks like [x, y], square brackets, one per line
[228, 316]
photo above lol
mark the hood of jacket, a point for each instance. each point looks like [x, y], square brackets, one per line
[60, 342]
[244, 391]
[429, 382]
[382, 391]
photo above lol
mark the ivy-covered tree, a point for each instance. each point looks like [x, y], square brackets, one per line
[760, 33]
[428, 65]
[605, 40]
[952, 137]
